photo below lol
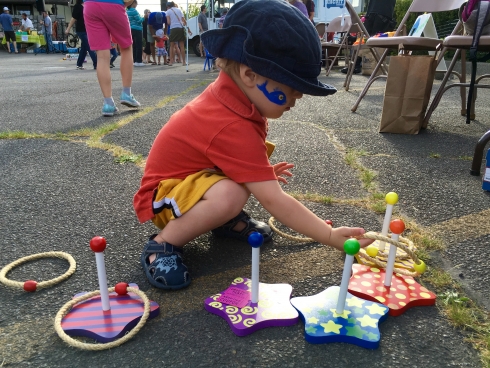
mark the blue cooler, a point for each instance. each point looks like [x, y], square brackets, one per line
[486, 175]
[60, 46]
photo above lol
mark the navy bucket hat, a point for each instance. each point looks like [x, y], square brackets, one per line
[275, 40]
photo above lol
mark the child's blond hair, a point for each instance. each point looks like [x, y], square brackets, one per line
[230, 67]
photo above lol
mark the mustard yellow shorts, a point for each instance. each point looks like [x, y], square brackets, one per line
[174, 197]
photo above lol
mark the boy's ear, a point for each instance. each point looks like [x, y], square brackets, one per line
[248, 76]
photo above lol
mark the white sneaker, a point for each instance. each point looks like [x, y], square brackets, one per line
[139, 64]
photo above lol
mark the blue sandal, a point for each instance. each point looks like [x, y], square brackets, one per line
[167, 271]
[251, 225]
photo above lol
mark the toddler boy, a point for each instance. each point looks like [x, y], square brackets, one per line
[212, 154]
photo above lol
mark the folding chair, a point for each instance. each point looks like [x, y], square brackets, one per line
[357, 27]
[336, 26]
[320, 28]
[208, 61]
[461, 44]
[408, 43]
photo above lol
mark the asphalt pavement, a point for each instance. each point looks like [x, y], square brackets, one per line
[59, 189]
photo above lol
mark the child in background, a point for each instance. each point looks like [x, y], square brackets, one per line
[212, 154]
[160, 46]
[114, 52]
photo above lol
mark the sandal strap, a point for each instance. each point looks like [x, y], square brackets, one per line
[165, 248]
[243, 216]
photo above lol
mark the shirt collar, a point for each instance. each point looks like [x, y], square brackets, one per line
[230, 95]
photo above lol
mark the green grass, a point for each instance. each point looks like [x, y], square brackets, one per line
[439, 278]
[19, 134]
[125, 158]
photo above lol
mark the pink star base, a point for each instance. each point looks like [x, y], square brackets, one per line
[273, 308]
[87, 318]
[367, 282]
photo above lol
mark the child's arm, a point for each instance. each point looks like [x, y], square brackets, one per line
[293, 214]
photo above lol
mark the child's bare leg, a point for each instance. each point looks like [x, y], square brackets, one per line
[220, 203]
[162, 257]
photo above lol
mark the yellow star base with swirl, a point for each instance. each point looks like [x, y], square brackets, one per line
[273, 308]
[358, 324]
[402, 259]
[404, 293]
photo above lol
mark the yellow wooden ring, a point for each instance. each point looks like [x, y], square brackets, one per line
[72, 342]
[43, 284]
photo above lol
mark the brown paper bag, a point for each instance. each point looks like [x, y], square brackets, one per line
[369, 61]
[407, 93]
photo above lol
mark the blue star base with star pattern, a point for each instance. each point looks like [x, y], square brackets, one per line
[358, 324]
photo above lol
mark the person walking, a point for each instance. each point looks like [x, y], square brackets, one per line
[136, 24]
[77, 19]
[8, 29]
[103, 19]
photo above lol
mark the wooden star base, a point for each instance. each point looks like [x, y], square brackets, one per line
[87, 318]
[273, 308]
[404, 293]
[358, 324]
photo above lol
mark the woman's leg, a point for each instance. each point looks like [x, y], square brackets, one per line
[172, 53]
[126, 66]
[104, 72]
[182, 52]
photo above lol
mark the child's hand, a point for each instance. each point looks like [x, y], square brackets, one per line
[282, 168]
[339, 235]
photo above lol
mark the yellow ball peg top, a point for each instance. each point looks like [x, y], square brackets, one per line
[371, 251]
[391, 198]
[420, 268]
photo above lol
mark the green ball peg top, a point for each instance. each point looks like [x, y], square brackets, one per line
[351, 246]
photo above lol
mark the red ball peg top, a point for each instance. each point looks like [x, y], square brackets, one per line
[397, 226]
[30, 285]
[98, 244]
[329, 222]
[121, 288]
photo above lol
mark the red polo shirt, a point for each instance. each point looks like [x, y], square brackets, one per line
[220, 129]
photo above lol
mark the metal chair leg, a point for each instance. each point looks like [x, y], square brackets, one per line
[372, 78]
[440, 91]
[478, 155]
